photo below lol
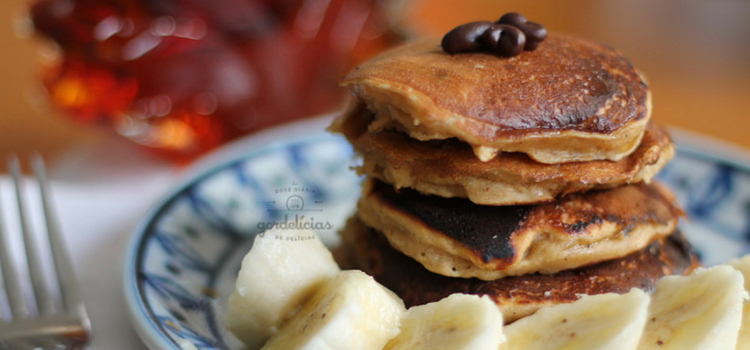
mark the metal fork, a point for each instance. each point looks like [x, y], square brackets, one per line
[48, 325]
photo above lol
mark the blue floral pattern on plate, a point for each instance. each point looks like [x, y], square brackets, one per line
[181, 267]
[715, 195]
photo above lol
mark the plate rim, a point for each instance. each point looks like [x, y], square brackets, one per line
[710, 147]
[142, 321]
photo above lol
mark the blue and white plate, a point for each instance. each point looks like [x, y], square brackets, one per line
[182, 261]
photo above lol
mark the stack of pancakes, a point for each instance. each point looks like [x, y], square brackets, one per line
[526, 179]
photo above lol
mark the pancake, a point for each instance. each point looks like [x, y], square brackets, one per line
[520, 296]
[447, 168]
[569, 100]
[455, 237]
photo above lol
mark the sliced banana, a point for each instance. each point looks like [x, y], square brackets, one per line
[458, 322]
[605, 321]
[743, 266]
[351, 311]
[283, 268]
[701, 311]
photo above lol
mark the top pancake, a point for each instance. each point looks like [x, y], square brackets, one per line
[569, 100]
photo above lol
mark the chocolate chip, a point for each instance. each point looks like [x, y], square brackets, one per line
[535, 33]
[504, 40]
[510, 35]
[465, 38]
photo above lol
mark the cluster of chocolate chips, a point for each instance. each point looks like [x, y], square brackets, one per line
[507, 37]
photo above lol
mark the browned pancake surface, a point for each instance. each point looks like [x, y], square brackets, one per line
[455, 237]
[519, 296]
[566, 84]
[569, 100]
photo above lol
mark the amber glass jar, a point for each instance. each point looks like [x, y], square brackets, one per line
[180, 77]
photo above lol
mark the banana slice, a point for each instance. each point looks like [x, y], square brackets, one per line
[283, 268]
[743, 266]
[605, 321]
[701, 311]
[351, 311]
[458, 322]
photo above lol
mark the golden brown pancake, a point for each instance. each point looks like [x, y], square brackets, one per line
[568, 100]
[447, 168]
[520, 296]
[455, 237]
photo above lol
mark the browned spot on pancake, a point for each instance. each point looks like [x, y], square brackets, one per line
[492, 233]
[485, 230]
[566, 84]
[417, 286]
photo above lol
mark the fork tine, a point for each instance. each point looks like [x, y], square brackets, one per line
[41, 292]
[65, 275]
[18, 307]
